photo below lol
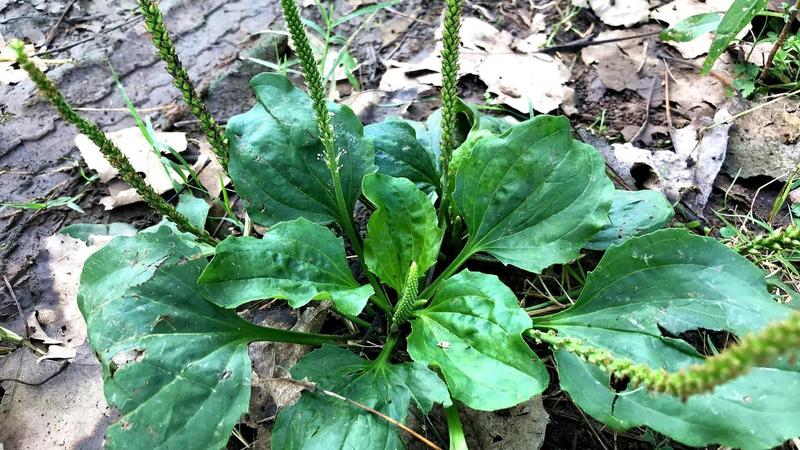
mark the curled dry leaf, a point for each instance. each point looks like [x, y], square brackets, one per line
[687, 173]
[141, 155]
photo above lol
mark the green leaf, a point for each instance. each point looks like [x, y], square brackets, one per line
[632, 213]
[471, 331]
[299, 261]
[318, 421]
[85, 231]
[642, 295]
[398, 153]
[532, 197]
[174, 365]
[403, 229]
[275, 156]
[692, 27]
[735, 19]
[195, 209]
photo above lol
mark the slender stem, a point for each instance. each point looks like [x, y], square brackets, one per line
[454, 428]
[316, 91]
[779, 42]
[154, 22]
[386, 352]
[255, 333]
[459, 261]
[110, 151]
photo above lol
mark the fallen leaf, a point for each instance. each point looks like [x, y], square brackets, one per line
[210, 171]
[686, 174]
[521, 427]
[511, 69]
[757, 54]
[35, 331]
[765, 142]
[142, 157]
[678, 10]
[621, 13]
[68, 411]
[617, 65]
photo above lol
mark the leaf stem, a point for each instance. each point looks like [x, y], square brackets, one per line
[787, 27]
[463, 257]
[255, 333]
[454, 428]
[386, 352]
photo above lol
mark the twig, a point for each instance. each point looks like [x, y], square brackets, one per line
[666, 94]
[383, 416]
[64, 365]
[590, 41]
[134, 17]
[16, 302]
[644, 56]
[54, 29]
[777, 98]
[787, 27]
[646, 112]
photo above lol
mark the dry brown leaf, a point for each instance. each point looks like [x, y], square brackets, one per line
[521, 427]
[617, 66]
[209, 170]
[510, 68]
[688, 172]
[69, 411]
[678, 10]
[142, 157]
[621, 13]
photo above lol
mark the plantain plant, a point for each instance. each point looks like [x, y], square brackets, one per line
[161, 306]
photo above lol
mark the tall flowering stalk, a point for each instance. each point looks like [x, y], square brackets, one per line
[451, 41]
[778, 339]
[154, 22]
[111, 152]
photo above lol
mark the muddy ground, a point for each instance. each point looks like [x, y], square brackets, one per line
[38, 159]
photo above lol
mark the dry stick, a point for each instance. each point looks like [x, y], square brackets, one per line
[133, 18]
[383, 416]
[646, 112]
[787, 27]
[666, 94]
[52, 33]
[590, 41]
[16, 302]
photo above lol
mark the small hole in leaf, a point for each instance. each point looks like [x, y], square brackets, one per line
[619, 384]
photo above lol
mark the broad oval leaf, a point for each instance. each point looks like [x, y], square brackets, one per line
[276, 156]
[398, 153]
[652, 288]
[732, 23]
[471, 331]
[175, 366]
[403, 229]
[632, 213]
[532, 197]
[299, 261]
[319, 421]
